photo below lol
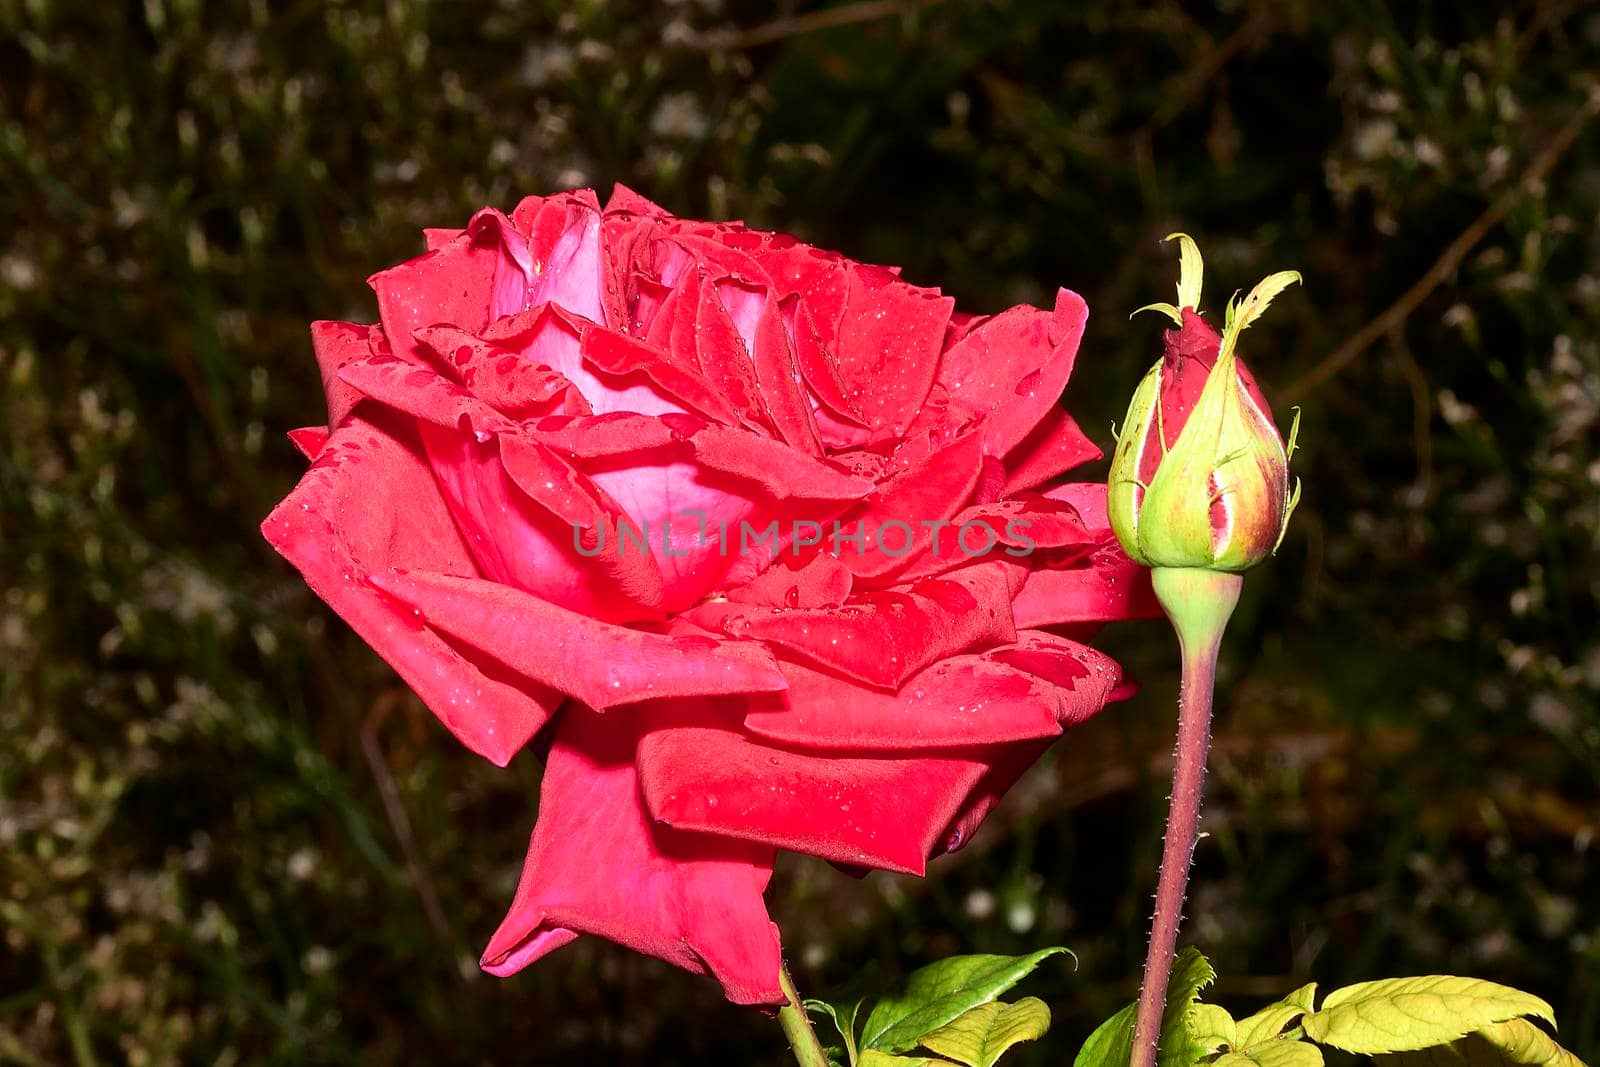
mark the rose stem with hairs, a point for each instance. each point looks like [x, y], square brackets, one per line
[1199, 603]
[797, 1026]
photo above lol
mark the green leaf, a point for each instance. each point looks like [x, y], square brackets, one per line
[940, 992]
[1404, 1014]
[1271, 1020]
[1212, 1027]
[1111, 1045]
[982, 1035]
[1274, 1053]
[843, 1016]
[1513, 1043]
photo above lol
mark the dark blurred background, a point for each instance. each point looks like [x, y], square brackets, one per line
[228, 835]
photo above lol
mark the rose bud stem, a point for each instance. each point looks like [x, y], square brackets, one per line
[796, 1025]
[1199, 603]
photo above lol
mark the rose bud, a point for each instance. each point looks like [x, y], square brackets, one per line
[1200, 477]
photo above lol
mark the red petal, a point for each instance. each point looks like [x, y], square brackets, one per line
[964, 700]
[513, 385]
[618, 357]
[369, 503]
[424, 393]
[931, 491]
[436, 237]
[888, 344]
[822, 582]
[882, 638]
[550, 337]
[625, 199]
[309, 440]
[1054, 447]
[1015, 529]
[470, 282]
[703, 775]
[1011, 370]
[780, 380]
[597, 865]
[337, 345]
[723, 356]
[595, 662]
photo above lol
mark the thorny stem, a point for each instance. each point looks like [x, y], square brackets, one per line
[797, 1026]
[1199, 603]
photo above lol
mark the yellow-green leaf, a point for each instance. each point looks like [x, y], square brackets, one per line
[1212, 1027]
[873, 1058]
[1270, 1021]
[1404, 1014]
[982, 1035]
[1276, 1053]
[1513, 1043]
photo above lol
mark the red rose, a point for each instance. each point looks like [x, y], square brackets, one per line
[592, 462]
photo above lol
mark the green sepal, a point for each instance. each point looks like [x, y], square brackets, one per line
[1123, 487]
[1166, 309]
[1242, 312]
[1191, 272]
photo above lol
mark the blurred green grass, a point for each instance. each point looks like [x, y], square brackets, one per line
[228, 836]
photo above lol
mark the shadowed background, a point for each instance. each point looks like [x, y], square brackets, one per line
[228, 835]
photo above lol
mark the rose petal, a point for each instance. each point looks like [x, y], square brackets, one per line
[893, 525]
[337, 345]
[370, 503]
[887, 346]
[597, 865]
[821, 582]
[549, 336]
[470, 282]
[882, 638]
[309, 440]
[502, 378]
[957, 702]
[1010, 371]
[595, 662]
[705, 775]
[1054, 447]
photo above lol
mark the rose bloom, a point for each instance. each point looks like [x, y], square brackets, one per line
[546, 494]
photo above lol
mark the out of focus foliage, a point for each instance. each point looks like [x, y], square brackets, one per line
[228, 836]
